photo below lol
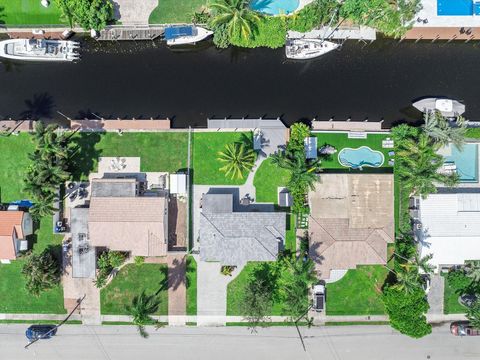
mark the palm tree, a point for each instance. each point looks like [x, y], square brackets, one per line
[237, 159]
[43, 207]
[473, 314]
[422, 263]
[41, 272]
[237, 17]
[442, 132]
[407, 279]
[473, 270]
[304, 173]
[143, 306]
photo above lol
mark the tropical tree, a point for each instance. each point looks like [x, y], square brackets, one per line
[423, 263]
[236, 15]
[141, 309]
[442, 131]
[473, 270]
[67, 10]
[89, 14]
[473, 314]
[238, 159]
[42, 272]
[43, 207]
[256, 305]
[298, 133]
[407, 279]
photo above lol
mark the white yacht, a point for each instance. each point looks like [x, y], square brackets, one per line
[303, 49]
[447, 107]
[185, 34]
[39, 50]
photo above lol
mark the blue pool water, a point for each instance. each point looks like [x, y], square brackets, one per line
[457, 7]
[362, 156]
[466, 161]
[274, 7]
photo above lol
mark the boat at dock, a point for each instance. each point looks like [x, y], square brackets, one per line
[303, 49]
[185, 34]
[39, 50]
[447, 107]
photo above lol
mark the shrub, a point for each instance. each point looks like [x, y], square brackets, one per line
[298, 133]
[227, 270]
[106, 262]
[221, 39]
[459, 280]
[312, 16]
[42, 272]
[271, 33]
[139, 260]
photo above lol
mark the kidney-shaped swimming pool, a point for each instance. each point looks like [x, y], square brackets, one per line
[362, 156]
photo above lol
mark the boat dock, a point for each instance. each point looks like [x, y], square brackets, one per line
[340, 33]
[130, 33]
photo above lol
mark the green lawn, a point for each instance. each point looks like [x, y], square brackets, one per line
[206, 146]
[291, 236]
[191, 286]
[341, 140]
[28, 12]
[131, 281]
[268, 178]
[235, 292]
[13, 296]
[175, 11]
[358, 292]
[162, 151]
[451, 293]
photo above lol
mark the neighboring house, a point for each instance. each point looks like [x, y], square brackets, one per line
[450, 227]
[351, 222]
[15, 226]
[234, 238]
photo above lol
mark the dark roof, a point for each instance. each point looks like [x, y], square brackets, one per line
[174, 32]
[114, 187]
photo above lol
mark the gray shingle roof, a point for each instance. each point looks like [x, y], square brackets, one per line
[234, 238]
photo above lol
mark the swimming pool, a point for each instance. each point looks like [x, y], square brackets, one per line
[359, 157]
[466, 161]
[274, 7]
[458, 7]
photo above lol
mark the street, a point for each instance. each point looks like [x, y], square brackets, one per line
[326, 343]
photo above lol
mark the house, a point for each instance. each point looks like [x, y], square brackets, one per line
[449, 227]
[352, 221]
[233, 237]
[15, 226]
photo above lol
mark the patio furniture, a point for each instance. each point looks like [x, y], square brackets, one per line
[391, 153]
[387, 143]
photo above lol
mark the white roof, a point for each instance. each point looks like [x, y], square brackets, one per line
[451, 227]
[178, 183]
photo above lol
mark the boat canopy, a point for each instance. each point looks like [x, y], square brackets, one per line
[174, 32]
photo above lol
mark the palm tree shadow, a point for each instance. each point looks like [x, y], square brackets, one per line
[40, 106]
[164, 283]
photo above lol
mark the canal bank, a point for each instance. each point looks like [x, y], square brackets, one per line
[146, 79]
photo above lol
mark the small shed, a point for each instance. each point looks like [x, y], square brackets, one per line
[284, 197]
[178, 184]
[311, 147]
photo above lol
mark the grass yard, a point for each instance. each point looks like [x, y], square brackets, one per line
[268, 178]
[28, 12]
[206, 146]
[359, 292]
[162, 151]
[291, 236]
[191, 286]
[341, 140]
[131, 281]
[235, 292]
[13, 296]
[451, 293]
[175, 11]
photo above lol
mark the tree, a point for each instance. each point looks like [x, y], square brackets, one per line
[237, 159]
[143, 306]
[473, 314]
[407, 279]
[438, 128]
[423, 263]
[43, 207]
[236, 15]
[42, 272]
[67, 9]
[407, 311]
[298, 133]
[89, 14]
[473, 270]
[257, 302]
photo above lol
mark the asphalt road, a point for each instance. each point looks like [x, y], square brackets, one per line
[334, 342]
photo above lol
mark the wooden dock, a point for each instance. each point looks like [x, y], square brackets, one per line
[123, 34]
[443, 33]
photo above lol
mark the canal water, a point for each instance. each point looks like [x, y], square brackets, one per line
[146, 79]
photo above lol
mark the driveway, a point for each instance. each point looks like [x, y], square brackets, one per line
[133, 12]
[435, 295]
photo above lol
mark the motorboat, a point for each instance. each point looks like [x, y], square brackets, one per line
[447, 107]
[303, 49]
[185, 34]
[39, 50]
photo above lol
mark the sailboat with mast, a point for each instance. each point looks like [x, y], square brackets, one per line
[309, 48]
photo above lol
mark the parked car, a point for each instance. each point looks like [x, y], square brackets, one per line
[467, 299]
[319, 297]
[463, 328]
[35, 332]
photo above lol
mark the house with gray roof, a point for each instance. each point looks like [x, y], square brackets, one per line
[236, 237]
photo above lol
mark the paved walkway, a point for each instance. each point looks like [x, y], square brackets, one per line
[133, 12]
[177, 292]
[435, 295]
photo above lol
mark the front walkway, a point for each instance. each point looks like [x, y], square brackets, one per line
[133, 12]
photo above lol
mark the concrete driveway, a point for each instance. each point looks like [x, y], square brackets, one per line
[133, 12]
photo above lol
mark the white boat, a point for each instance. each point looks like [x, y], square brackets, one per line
[447, 107]
[39, 50]
[185, 34]
[302, 49]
